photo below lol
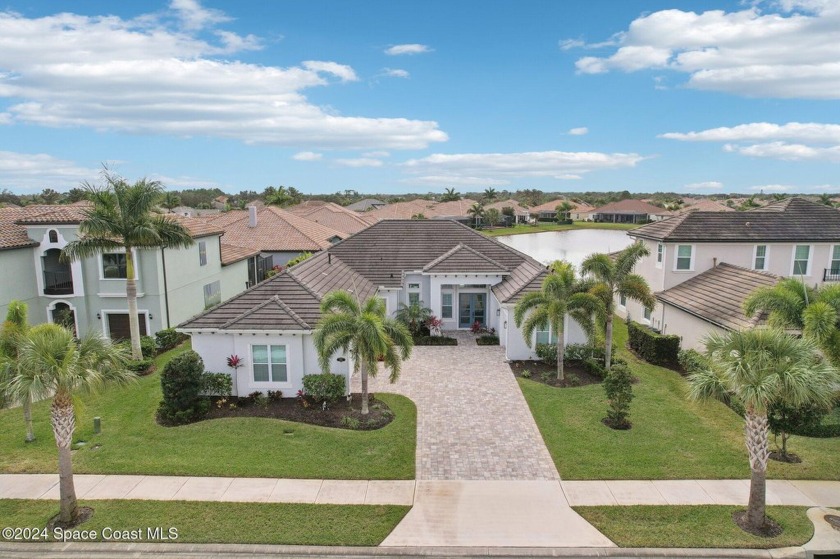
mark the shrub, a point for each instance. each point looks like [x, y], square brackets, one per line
[140, 367]
[580, 352]
[525, 374]
[619, 389]
[181, 382]
[692, 360]
[547, 353]
[275, 395]
[350, 422]
[785, 421]
[595, 368]
[168, 338]
[325, 387]
[548, 376]
[652, 347]
[487, 339]
[148, 345]
[435, 340]
[216, 384]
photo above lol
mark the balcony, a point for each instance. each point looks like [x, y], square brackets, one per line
[831, 274]
[58, 282]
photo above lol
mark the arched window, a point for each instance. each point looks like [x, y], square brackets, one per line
[53, 235]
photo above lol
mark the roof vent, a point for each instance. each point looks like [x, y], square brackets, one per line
[252, 216]
[747, 224]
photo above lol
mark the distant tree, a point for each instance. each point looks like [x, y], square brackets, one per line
[418, 216]
[508, 211]
[624, 195]
[170, 201]
[49, 196]
[9, 197]
[489, 194]
[295, 196]
[825, 199]
[531, 196]
[476, 211]
[492, 216]
[76, 195]
[564, 210]
[277, 196]
[449, 195]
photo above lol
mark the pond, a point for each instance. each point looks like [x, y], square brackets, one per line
[572, 246]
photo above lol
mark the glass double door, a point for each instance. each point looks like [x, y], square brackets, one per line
[472, 308]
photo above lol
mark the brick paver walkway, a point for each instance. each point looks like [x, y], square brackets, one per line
[472, 421]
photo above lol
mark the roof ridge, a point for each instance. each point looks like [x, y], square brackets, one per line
[245, 313]
[275, 209]
[518, 290]
[305, 287]
[443, 256]
[290, 312]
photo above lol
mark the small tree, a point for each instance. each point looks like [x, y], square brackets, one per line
[785, 420]
[619, 388]
[414, 316]
[181, 383]
[563, 211]
[476, 212]
[492, 216]
[449, 195]
[11, 338]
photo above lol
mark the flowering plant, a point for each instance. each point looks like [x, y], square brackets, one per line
[234, 362]
[434, 325]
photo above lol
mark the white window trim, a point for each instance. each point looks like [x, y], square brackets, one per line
[199, 245]
[269, 383]
[550, 335]
[204, 293]
[117, 251]
[766, 258]
[451, 293]
[646, 320]
[808, 266]
[831, 250]
[660, 251]
[53, 304]
[691, 260]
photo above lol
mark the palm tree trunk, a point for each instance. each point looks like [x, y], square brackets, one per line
[561, 354]
[63, 423]
[756, 432]
[27, 418]
[608, 333]
[131, 295]
[365, 410]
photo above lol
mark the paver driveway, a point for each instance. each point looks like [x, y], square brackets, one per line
[472, 421]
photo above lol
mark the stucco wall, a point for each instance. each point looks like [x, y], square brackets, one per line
[17, 281]
[516, 348]
[688, 327]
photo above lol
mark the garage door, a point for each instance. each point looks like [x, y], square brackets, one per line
[118, 328]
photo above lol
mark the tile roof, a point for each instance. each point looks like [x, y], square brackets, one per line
[794, 219]
[13, 235]
[717, 295]
[375, 257]
[277, 231]
[232, 254]
[333, 216]
[705, 206]
[548, 206]
[518, 209]
[429, 208]
[365, 205]
[462, 259]
[630, 206]
[196, 227]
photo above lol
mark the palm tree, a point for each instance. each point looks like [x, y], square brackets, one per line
[363, 331]
[476, 211]
[414, 316]
[615, 277]
[490, 194]
[53, 363]
[170, 201]
[449, 195]
[826, 200]
[561, 295]
[279, 196]
[758, 368]
[563, 210]
[11, 337]
[793, 305]
[122, 217]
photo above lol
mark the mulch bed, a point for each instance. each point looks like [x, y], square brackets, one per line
[771, 528]
[791, 458]
[341, 414]
[574, 372]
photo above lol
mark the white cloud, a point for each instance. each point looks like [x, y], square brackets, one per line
[395, 73]
[705, 185]
[788, 152]
[144, 76]
[377, 154]
[193, 16]
[410, 48]
[510, 166]
[449, 180]
[581, 131]
[185, 182]
[36, 171]
[307, 156]
[359, 162]
[782, 49]
[772, 188]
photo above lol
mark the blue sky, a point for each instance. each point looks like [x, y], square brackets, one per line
[416, 96]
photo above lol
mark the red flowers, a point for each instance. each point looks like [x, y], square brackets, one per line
[234, 362]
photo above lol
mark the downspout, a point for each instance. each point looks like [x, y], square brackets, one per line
[165, 288]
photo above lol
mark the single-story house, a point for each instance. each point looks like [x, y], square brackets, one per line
[521, 214]
[463, 276]
[332, 215]
[629, 211]
[366, 205]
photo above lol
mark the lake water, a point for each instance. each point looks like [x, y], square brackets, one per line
[572, 246]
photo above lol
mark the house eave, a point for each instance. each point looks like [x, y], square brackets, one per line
[226, 331]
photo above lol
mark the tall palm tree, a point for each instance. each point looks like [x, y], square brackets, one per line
[449, 195]
[615, 277]
[54, 363]
[170, 201]
[757, 368]
[11, 338]
[122, 217]
[793, 305]
[561, 295]
[363, 331]
[490, 194]
[476, 211]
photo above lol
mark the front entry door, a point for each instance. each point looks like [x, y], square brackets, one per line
[471, 309]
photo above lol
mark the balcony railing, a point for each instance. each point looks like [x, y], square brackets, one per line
[831, 274]
[58, 282]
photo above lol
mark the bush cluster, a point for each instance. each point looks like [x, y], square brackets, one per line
[182, 383]
[435, 340]
[487, 339]
[148, 346]
[547, 353]
[652, 347]
[140, 367]
[325, 387]
[619, 389]
[168, 338]
[216, 384]
[692, 361]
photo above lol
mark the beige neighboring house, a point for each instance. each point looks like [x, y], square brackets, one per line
[366, 205]
[548, 211]
[792, 238]
[629, 211]
[704, 205]
[333, 216]
[429, 209]
[520, 212]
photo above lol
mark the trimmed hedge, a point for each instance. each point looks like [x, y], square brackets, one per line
[435, 340]
[652, 347]
[217, 384]
[140, 367]
[692, 361]
[325, 387]
[487, 339]
[168, 338]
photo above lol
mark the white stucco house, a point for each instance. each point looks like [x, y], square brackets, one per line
[461, 275]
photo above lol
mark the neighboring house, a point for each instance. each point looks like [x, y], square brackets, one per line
[521, 214]
[172, 284]
[582, 211]
[704, 205]
[791, 238]
[457, 210]
[366, 205]
[548, 211]
[187, 211]
[220, 202]
[629, 211]
[461, 275]
[277, 234]
[332, 216]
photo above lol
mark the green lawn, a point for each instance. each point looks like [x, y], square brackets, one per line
[201, 522]
[671, 437]
[693, 526]
[547, 226]
[133, 443]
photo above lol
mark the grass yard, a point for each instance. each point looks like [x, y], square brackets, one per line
[203, 522]
[133, 443]
[547, 226]
[693, 526]
[671, 437]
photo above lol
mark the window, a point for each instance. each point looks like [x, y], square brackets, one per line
[269, 363]
[647, 314]
[835, 260]
[202, 253]
[446, 305]
[622, 300]
[414, 286]
[53, 236]
[760, 262]
[660, 254]
[212, 294]
[684, 257]
[413, 299]
[801, 258]
[114, 265]
[546, 336]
